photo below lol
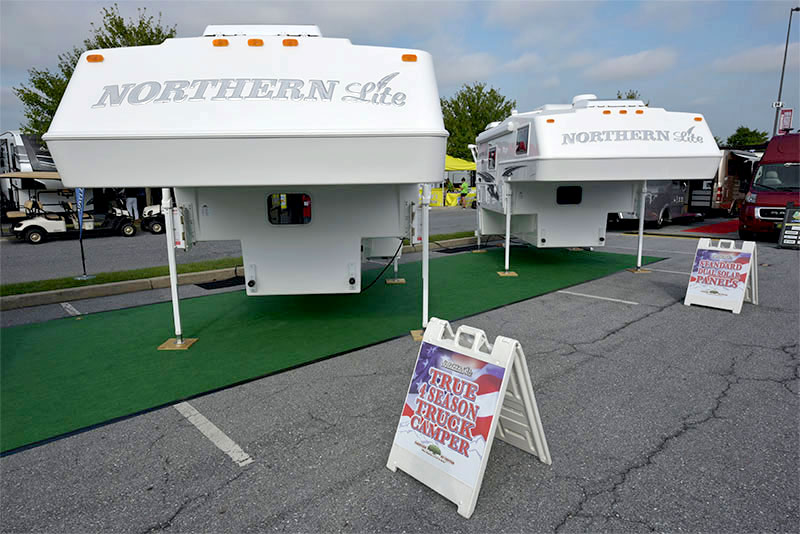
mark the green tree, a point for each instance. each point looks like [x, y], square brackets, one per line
[467, 113]
[631, 94]
[44, 90]
[745, 136]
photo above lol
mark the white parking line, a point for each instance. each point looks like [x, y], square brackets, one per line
[217, 436]
[69, 308]
[600, 298]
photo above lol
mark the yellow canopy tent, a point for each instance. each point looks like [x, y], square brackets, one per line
[456, 164]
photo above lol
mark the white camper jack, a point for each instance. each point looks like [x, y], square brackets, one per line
[552, 175]
[271, 135]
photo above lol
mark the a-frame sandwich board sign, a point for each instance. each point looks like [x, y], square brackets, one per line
[723, 276]
[464, 391]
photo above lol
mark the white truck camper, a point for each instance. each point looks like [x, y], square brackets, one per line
[290, 144]
[552, 175]
[273, 135]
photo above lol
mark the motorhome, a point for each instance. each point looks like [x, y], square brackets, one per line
[273, 135]
[28, 173]
[776, 182]
[723, 193]
[665, 202]
[552, 175]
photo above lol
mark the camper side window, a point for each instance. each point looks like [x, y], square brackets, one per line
[288, 208]
[569, 194]
[522, 141]
[492, 158]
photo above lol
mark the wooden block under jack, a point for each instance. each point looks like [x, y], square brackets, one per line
[507, 273]
[479, 251]
[395, 281]
[416, 335]
[171, 344]
[639, 271]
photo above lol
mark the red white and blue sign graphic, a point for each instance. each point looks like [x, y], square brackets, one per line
[449, 409]
[719, 273]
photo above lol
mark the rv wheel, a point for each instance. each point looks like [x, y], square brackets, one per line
[34, 236]
[128, 230]
[156, 228]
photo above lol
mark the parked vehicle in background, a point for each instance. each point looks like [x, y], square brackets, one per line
[724, 192]
[776, 182]
[665, 201]
[153, 219]
[43, 224]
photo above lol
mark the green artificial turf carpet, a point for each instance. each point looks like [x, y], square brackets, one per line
[64, 375]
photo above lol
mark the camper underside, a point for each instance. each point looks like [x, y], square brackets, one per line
[554, 214]
[303, 239]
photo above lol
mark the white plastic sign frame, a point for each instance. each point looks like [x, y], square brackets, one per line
[723, 276]
[476, 390]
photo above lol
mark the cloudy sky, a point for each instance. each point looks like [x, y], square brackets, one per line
[722, 59]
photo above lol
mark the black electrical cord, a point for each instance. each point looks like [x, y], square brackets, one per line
[386, 267]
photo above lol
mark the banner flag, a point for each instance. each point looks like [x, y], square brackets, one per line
[80, 197]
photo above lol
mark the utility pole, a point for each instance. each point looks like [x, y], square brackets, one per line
[778, 105]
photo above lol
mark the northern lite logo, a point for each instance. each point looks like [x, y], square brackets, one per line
[288, 89]
[604, 136]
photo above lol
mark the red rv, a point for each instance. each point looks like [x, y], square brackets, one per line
[775, 183]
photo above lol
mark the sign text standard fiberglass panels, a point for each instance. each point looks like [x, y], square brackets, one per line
[189, 113]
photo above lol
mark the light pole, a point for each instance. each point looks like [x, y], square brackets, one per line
[783, 69]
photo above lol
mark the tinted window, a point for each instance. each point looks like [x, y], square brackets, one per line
[569, 194]
[492, 157]
[289, 208]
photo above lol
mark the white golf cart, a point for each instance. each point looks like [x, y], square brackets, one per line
[153, 219]
[44, 225]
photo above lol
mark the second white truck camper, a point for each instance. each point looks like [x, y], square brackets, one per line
[552, 175]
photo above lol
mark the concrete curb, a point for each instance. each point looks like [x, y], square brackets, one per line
[13, 302]
[56, 296]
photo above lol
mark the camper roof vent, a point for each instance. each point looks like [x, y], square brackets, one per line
[491, 125]
[583, 97]
[292, 30]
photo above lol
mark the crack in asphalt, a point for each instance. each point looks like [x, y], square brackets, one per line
[618, 479]
[167, 523]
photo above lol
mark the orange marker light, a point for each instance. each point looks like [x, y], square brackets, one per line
[411, 58]
[639, 111]
[606, 112]
[551, 121]
[290, 42]
[255, 42]
[94, 58]
[698, 119]
[623, 111]
[220, 42]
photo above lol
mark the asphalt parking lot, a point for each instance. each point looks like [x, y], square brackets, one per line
[659, 417]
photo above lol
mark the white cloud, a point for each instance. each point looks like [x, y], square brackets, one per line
[579, 59]
[549, 83]
[464, 68]
[643, 64]
[767, 58]
[524, 62]
[674, 16]
[540, 22]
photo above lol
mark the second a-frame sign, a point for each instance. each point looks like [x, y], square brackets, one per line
[464, 391]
